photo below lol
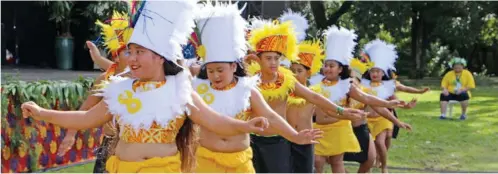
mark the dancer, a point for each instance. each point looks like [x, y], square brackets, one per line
[154, 111]
[225, 87]
[336, 86]
[367, 156]
[116, 35]
[274, 42]
[382, 57]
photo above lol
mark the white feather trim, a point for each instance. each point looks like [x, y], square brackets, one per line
[382, 54]
[159, 105]
[229, 102]
[384, 91]
[338, 91]
[299, 23]
[339, 44]
[316, 79]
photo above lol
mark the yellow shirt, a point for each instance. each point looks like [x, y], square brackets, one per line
[452, 83]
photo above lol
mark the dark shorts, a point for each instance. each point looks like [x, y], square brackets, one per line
[395, 128]
[271, 154]
[363, 135]
[302, 158]
[102, 155]
[460, 97]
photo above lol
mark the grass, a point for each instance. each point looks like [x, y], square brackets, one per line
[436, 145]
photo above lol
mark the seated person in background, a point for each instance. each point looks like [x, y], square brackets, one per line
[456, 85]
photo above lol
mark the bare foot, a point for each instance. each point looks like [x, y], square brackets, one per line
[377, 164]
[384, 169]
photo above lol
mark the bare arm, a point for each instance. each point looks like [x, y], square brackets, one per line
[315, 98]
[203, 115]
[102, 62]
[368, 99]
[92, 118]
[384, 112]
[409, 89]
[277, 123]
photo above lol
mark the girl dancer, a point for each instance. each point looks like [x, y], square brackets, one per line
[153, 111]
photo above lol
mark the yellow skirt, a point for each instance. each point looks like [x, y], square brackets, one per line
[219, 162]
[170, 164]
[378, 124]
[338, 138]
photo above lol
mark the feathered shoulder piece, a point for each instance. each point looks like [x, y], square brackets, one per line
[279, 90]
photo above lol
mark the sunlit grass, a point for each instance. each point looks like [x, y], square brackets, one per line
[437, 145]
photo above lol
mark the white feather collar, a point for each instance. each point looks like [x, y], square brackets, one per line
[384, 91]
[228, 102]
[337, 92]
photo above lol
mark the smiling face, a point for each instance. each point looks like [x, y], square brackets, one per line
[331, 70]
[300, 72]
[458, 67]
[269, 61]
[144, 63]
[220, 74]
[376, 74]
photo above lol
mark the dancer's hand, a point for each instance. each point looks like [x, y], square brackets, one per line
[354, 114]
[257, 124]
[67, 142]
[94, 51]
[426, 90]
[31, 109]
[395, 103]
[250, 58]
[308, 136]
[404, 126]
[411, 104]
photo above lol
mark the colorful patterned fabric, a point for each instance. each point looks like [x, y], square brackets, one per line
[43, 140]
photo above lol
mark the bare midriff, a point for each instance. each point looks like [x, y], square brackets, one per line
[280, 107]
[300, 117]
[134, 152]
[226, 144]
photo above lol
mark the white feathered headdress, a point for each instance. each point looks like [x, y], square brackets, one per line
[381, 55]
[222, 32]
[339, 44]
[163, 26]
[299, 23]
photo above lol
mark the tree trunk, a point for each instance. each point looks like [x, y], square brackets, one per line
[414, 42]
[495, 58]
[318, 10]
[346, 5]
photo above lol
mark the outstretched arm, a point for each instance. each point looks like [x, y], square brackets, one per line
[203, 115]
[95, 117]
[277, 123]
[327, 106]
[371, 100]
[384, 112]
[409, 89]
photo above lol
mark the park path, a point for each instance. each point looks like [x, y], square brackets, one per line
[33, 74]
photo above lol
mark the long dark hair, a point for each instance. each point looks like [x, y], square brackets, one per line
[387, 76]
[186, 139]
[239, 72]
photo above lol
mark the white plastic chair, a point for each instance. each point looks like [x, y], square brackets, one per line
[451, 103]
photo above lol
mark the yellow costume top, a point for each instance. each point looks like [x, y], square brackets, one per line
[452, 82]
[234, 100]
[148, 112]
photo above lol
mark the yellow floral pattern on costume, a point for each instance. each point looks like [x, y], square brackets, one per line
[53, 147]
[79, 143]
[133, 105]
[5, 152]
[22, 150]
[155, 134]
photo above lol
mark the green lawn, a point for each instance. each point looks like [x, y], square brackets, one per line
[437, 145]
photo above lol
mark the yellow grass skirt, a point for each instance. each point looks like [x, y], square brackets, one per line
[170, 164]
[219, 162]
[378, 124]
[338, 138]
